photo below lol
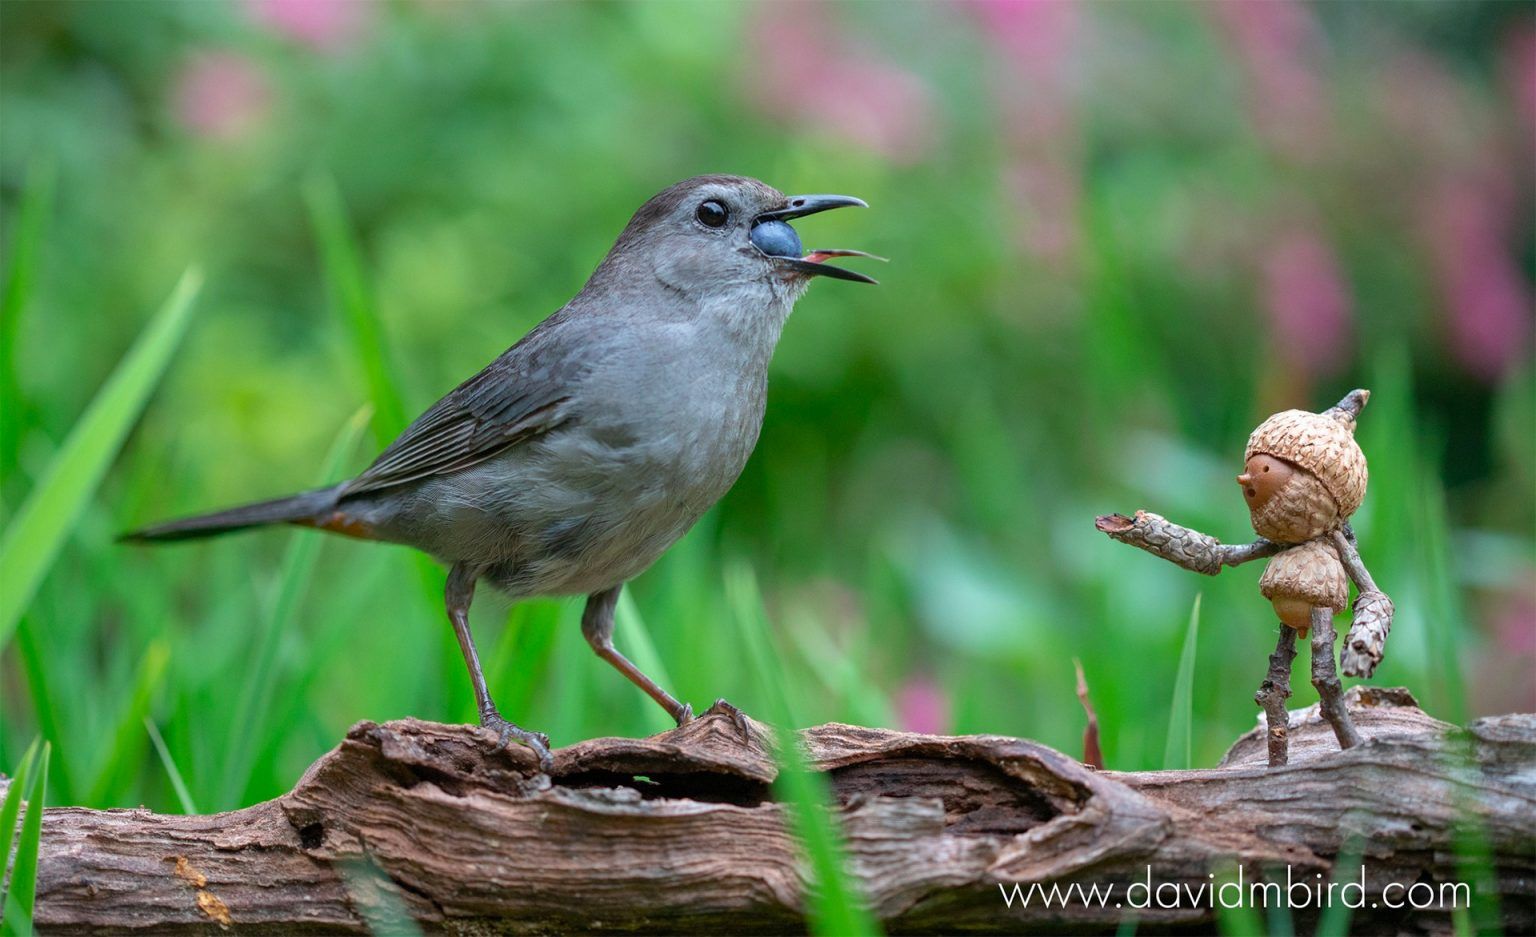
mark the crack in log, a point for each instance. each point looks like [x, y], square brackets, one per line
[977, 797]
[703, 787]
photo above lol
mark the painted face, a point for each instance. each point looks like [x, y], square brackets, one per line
[1285, 503]
[1263, 477]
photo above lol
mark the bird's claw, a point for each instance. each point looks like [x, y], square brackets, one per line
[738, 718]
[684, 715]
[506, 732]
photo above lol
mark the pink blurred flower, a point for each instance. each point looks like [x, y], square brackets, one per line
[1037, 39]
[1307, 301]
[1468, 225]
[802, 71]
[1509, 661]
[1465, 186]
[922, 706]
[1276, 40]
[1520, 66]
[323, 25]
[1514, 624]
[1046, 190]
[221, 95]
[1036, 42]
[1428, 111]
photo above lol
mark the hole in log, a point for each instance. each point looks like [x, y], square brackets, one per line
[978, 798]
[312, 836]
[707, 787]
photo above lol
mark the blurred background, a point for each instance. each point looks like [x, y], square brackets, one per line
[1121, 235]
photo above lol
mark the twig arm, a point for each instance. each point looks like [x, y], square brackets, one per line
[1367, 638]
[1349, 552]
[1181, 546]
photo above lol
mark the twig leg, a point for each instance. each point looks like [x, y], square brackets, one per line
[1325, 676]
[1273, 693]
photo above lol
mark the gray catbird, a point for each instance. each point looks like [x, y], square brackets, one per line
[573, 460]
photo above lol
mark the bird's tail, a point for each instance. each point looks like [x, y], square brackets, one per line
[306, 506]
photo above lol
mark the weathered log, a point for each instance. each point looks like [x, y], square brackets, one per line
[680, 832]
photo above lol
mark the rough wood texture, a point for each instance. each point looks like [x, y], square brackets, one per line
[679, 832]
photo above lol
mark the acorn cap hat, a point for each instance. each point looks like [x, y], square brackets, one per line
[1320, 443]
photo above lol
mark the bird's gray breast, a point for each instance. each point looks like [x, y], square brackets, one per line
[673, 421]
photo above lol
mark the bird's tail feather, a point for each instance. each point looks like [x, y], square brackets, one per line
[304, 506]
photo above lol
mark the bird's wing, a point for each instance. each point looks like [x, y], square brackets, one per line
[522, 394]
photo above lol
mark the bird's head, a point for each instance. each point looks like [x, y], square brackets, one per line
[724, 235]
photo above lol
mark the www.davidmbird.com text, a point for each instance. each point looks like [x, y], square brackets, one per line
[1233, 891]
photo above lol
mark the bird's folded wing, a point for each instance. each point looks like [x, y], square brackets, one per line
[519, 396]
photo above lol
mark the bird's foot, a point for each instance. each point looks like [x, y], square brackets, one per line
[506, 732]
[738, 718]
[684, 715]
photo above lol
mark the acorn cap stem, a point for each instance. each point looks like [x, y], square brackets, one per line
[1348, 409]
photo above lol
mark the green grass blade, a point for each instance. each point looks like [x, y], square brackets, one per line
[31, 221]
[125, 754]
[351, 292]
[45, 705]
[634, 639]
[1476, 869]
[1278, 919]
[20, 274]
[834, 904]
[1240, 919]
[349, 289]
[36, 534]
[22, 892]
[183, 795]
[10, 809]
[839, 672]
[1177, 754]
[1334, 921]
[298, 568]
[522, 656]
[1445, 623]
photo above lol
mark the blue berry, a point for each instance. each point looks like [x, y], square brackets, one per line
[776, 239]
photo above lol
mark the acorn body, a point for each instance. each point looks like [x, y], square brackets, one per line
[1302, 578]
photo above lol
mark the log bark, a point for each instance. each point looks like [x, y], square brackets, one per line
[680, 832]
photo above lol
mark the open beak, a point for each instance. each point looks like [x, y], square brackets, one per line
[812, 264]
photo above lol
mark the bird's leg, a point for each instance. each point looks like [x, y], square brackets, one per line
[1273, 693]
[597, 627]
[459, 592]
[1325, 677]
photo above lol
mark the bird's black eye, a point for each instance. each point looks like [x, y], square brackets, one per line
[712, 214]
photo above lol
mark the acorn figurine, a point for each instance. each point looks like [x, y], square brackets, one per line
[1303, 476]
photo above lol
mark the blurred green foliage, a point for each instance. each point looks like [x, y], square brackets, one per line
[1108, 264]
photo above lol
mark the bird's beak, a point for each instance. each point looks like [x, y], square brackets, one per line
[798, 206]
